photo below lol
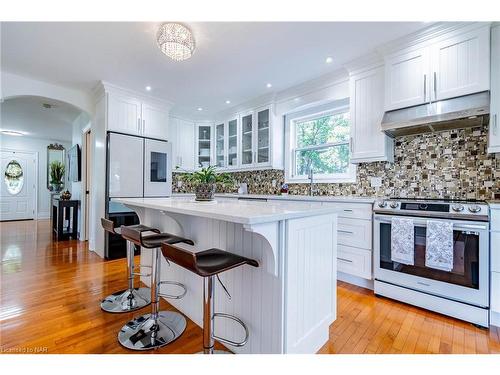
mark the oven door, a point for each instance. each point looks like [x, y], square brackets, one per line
[467, 282]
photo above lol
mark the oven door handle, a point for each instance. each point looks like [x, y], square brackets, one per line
[423, 223]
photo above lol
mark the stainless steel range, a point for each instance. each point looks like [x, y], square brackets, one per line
[462, 292]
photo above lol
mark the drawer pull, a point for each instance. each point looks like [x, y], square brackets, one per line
[344, 260]
[347, 210]
[344, 231]
[421, 283]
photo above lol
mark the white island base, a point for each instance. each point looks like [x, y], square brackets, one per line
[289, 302]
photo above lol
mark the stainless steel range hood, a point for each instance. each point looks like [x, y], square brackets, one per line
[462, 112]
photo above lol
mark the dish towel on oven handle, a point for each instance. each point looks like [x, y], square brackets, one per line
[402, 240]
[439, 245]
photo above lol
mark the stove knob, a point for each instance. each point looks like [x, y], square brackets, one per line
[474, 208]
[457, 207]
[382, 204]
[394, 204]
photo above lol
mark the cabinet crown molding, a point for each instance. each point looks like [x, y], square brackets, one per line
[104, 87]
[434, 33]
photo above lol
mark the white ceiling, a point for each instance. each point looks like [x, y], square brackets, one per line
[26, 114]
[233, 60]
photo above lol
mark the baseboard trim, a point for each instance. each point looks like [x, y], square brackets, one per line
[495, 318]
[356, 280]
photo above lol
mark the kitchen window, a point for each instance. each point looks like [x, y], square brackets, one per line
[319, 140]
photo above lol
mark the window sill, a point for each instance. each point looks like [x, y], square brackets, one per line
[339, 180]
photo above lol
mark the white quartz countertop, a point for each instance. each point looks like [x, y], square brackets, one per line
[236, 211]
[305, 198]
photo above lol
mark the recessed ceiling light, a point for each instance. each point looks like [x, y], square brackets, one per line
[228, 101]
[269, 85]
[329, 60]
[12, 132]
[148, 88]
[200, 109]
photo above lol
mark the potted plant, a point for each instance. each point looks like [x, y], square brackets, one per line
[205, 182]
[57, 170]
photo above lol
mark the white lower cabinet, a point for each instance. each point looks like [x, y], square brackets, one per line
[354, 261]
[354, 238]
[495, 264]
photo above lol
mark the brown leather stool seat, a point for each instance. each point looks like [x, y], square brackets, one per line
[208, 264]
[205, 263]
[132, 298]
[141, 236]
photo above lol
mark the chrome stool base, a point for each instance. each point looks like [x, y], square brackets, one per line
[143, 333]
[216, 352]
[127, 300]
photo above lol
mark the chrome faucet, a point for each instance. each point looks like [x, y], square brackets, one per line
[310, 176]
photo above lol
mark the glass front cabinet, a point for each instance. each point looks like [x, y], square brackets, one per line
[203, 145]
[239, 142]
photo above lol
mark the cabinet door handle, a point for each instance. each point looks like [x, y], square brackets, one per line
[344, 231]
[495, 124]
[350, 144]
[347, 210]
[425, 87]
[435, 86]
[139, 125]
[344, 260]
[143, 125]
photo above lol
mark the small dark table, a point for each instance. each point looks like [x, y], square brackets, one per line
[65, 210]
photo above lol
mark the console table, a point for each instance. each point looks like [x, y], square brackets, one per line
[65, 210]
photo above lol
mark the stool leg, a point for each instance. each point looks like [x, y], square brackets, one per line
[130, 299]
[208, 308]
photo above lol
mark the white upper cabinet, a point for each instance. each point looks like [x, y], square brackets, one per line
[368, 142]
[461, 65]
[263, 131]
[154, 121]
[183, 150]
[220, 145]
[455, 65]
[494, 129]
[247, 153]
[203, 152]
[406, 79]
[232, 143]
[124, 114]
[133, 114]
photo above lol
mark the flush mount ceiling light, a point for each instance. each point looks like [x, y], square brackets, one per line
[176, 41]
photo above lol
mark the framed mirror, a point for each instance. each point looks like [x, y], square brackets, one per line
[56, 153]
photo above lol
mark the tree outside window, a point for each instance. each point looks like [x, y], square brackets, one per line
[321, 142]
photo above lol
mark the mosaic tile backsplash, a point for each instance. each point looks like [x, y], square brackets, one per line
[450, 164]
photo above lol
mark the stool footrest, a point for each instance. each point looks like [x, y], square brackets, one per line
[141, 274]
[237, 320]
[179, 296]
[144, 266]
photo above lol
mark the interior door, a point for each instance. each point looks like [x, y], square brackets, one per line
[157, 168]
[407, 79]
[18, 185]
[461, 65]
[154, 122]
[125, 168]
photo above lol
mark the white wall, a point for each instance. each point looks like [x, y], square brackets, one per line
[39, 146]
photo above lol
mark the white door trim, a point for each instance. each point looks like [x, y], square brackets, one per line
[84, 235]
[35, 199]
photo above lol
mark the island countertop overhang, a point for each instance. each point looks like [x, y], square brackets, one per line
[242, 212]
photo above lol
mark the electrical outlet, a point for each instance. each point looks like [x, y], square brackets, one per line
[273, 183]
[375, 182]
[179, 184]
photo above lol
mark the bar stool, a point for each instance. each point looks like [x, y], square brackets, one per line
[130, 299]
[208, 264]
[159, 328]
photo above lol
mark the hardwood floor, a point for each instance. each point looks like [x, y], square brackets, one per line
[50, 293]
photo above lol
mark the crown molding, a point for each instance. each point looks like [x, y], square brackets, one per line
[366, 62]
[431, 34]
[104, 86]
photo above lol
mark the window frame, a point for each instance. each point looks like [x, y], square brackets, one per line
[291, 146]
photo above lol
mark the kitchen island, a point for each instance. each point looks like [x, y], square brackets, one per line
[289, 302]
